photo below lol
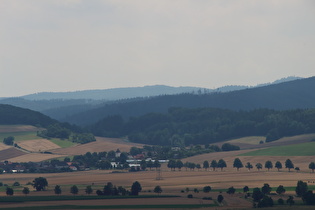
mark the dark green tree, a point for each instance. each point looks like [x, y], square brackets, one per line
[301, 188]
[9, 191]
[8, 140]
[214, 164]
[40, 183]
[171, 164]
[179, 164]
[257, 194]
[157, 164]
[206, 189]
[88, 190]
[278, 165]
[266, 189]
[220, 198]
[231, 190]
[245, 189]
[221, 164]
[266, 201]
[108, 189]
[143, 164]
[206, 165]
[288, 164]
[57, 190]
[26, 191]
[312, 166]
[237, 163]
[136, 188]
[248, 166]
[74, 190]
[259, 166]
[157, 190]
[268, 165]
[280, 190]
[290, 200]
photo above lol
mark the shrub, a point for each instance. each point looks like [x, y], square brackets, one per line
[190, 196]
[16, 184]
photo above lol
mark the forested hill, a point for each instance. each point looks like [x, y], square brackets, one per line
[297, 94]
[11, 115]
[183, 126]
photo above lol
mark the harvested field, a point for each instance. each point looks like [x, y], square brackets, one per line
[172, 184]
[100, 145]
[10, 153]
[38, 145]
[17, 128]
[4, 146]
[250, 142]
[34, 157]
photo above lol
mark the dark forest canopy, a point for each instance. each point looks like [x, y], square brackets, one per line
[184, 126]
[11, 115]
[298, 94]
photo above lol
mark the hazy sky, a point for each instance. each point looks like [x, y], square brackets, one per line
[65, 45]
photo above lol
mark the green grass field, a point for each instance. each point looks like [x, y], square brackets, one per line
[20, 136]
[248, 140]
[303, 149]
[62, 143]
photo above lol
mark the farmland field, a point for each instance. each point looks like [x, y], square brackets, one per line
[100, 145]
[172, 183]
[11, 152]
[304, 149]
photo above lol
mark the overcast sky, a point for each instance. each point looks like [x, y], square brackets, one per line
[66, 45]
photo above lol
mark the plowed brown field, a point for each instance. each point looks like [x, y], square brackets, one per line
[10, 153]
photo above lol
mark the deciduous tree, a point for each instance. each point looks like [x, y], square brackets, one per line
[312, 166]
[40, 183]
[280, 190]
[237, 163]
[74, 190]
[288, 164]
[57, 190]
[268, 165]
[136, 188]
[157, 190]
[278, 165]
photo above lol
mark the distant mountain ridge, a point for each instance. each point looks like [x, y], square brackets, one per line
[297, 94]
[134, 92]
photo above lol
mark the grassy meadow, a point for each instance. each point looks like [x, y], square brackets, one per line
[303, 149]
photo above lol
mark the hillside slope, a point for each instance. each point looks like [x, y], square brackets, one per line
[11, 115]
[297, 94]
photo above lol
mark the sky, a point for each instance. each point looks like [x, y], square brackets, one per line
[69, 45]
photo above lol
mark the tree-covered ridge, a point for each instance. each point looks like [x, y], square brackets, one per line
[184, 126]
[296, 94]
[11, 115]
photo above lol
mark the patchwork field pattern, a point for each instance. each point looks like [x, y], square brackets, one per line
[38, 145]
[6, 154]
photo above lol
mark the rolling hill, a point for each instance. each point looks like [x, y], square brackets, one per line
[11, 115]
[297, 94]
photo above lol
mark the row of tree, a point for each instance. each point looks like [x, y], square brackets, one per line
[237, 163]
